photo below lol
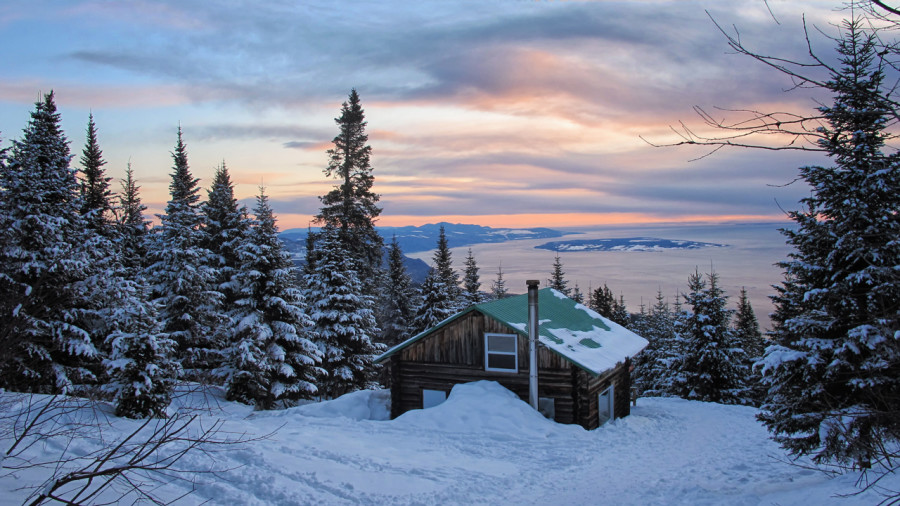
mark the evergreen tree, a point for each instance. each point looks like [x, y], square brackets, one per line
[498, 287]
[225, 227]
[273, 358]
[557, 279]
[620, 313]
[834, 373]
[577, 295]
[436, 304]
[351, 207]
[746, 328]
[96, 196]
[443, 266]
[344, 319]
[471, 282]
[603, 301]
[399, 299]
[132, 227]
[180, 277]
[653, 367]
[140, 366]
[45, 263]
[710, 367]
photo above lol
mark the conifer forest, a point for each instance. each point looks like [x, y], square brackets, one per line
[103, 303]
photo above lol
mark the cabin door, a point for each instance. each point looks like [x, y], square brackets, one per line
[605, 402]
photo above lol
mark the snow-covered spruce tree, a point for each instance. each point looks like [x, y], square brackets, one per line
[44, 263]
[132, 227]
[344, 322]
[141, 366]
[557, 279]
[498, 287]
[112, 285]
[96, 196]
[436, 304]
[399, 304]
[273, 358]
[834, 372]
[711, 365]
[471, 282]
[653, 366]
[443, 266]
[180, 275]
[224, 228]
[351, 207]
[746, 328]
[749, 337]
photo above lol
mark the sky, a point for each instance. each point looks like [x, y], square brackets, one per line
[503, 113]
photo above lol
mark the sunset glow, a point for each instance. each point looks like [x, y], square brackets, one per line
[511, 114]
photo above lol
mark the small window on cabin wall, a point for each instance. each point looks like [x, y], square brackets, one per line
[431, 398]
[501, 352]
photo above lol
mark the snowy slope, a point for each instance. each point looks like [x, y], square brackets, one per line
[485, 446]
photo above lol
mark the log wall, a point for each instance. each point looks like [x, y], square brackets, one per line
[455, 354]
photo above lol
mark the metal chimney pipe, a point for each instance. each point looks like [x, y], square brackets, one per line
[532, 342]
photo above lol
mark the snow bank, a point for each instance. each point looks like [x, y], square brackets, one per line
[482, 446]
[482, 407]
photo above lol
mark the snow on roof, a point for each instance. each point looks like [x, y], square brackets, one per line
[568, 328]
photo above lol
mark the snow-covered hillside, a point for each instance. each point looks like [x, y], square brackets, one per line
[485, 446]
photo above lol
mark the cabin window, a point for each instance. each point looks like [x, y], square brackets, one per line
[605, 405]
[501, 352]
[431, 398]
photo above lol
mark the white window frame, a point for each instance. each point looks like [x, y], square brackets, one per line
[514, 354]
[432, 398]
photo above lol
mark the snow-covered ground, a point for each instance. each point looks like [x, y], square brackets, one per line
[485, 446]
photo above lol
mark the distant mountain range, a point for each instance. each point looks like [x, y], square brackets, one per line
[626, 244]
[425, 237]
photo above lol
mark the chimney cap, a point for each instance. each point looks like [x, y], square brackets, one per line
[532, 282]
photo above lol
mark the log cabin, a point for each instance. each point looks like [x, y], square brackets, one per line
[583, 359]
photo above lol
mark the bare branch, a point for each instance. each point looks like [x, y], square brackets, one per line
[133, 465]
[886, 7]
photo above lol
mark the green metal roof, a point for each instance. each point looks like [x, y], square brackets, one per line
[577, 333]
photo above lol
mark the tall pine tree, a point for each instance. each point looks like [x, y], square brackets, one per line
[436, 304]
[711, 366]
[344, 322]
[471, 282]
[833, 376]
[351, 207]
[44, 263]
[273, 358]
[180, 276]
[398, 306]
[443, 266]
[132, 226]
[653, 367]
[96, 196]
[225, 227]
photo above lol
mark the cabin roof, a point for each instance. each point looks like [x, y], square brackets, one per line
[566, 327]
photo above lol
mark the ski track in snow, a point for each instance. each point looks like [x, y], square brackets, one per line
[485, 446]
